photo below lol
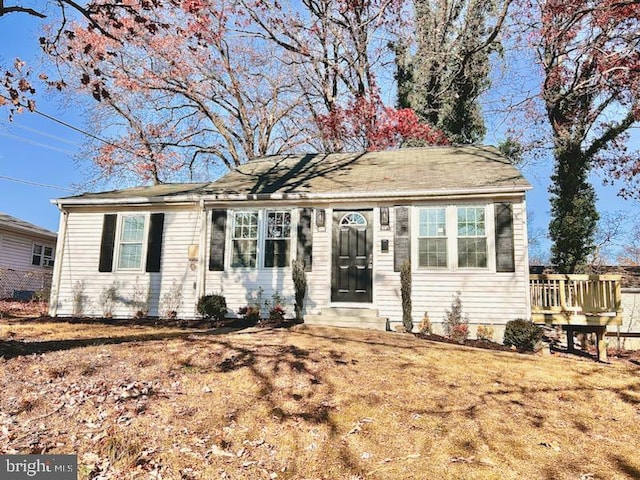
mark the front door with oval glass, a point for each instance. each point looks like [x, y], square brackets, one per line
[352, 271]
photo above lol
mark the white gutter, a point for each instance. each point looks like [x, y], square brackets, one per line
[57, 264]
[353, 196]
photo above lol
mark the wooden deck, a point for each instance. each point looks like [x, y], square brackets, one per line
[578, 303]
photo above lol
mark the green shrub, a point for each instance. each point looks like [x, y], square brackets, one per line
[522, 334]
[212, 306]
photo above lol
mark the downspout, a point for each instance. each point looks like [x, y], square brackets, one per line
[526, 256]
[202, 252]
[57, 265]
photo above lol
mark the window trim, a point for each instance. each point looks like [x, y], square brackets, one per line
[232, 239]
[444, 237]
[42, 255]
[451, 225]
[118, 242]
[262, 238]
[267, 238]
[485, 236]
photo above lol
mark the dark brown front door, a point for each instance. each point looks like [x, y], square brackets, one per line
[352, 256]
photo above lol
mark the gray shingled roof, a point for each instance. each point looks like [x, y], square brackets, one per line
[436, 170]
[16, 225]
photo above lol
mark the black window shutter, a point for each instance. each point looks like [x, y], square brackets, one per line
[401, 239]
[154, 242]
[305, 238]
[505, 261]
[108, 242]
[218, 239]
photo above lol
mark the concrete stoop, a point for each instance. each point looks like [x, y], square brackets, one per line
[347, 317]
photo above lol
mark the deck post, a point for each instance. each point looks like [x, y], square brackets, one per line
[569, 330]
[601, 344]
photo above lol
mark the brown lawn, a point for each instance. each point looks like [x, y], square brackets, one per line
[310, 403]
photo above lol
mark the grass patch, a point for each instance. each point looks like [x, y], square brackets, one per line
[312, 403]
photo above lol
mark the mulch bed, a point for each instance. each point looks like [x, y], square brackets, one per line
[200, 324]
[485, 344]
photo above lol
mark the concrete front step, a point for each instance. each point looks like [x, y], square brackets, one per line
[347, 317]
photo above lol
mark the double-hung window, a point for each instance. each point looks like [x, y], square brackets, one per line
[245, 239]
[130, 242]
[472, 237]
[277, 239]
[261, 238]
[432, 237]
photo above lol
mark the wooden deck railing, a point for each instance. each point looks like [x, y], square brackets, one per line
[576, 299]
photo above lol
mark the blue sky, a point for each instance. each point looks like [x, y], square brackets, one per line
[41, 152]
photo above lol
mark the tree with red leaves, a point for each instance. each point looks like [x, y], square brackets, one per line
[230, 81]
[369, 125]
[590, 54]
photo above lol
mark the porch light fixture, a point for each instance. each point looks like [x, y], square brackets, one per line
[320, 218]
[384, 218]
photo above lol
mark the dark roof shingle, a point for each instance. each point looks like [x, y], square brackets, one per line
[429, 169]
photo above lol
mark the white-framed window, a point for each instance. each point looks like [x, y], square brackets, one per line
[432, 237]
[452, 236]
[130, 242]
[472, 237]
[261, 238]
[277, 239]
[42, 255]
[245, 239]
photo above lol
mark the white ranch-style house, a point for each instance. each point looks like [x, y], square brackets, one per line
[458, 214]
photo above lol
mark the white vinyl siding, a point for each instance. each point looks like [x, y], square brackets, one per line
[177, 278]
[487, 297]
[17, 250]
[239, 284]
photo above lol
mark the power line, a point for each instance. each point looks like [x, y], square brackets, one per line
[40, 132]
[36, 184]
[84, 132]
[37, 144]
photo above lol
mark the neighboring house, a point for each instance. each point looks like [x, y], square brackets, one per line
[456, 213]
[26, 257]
